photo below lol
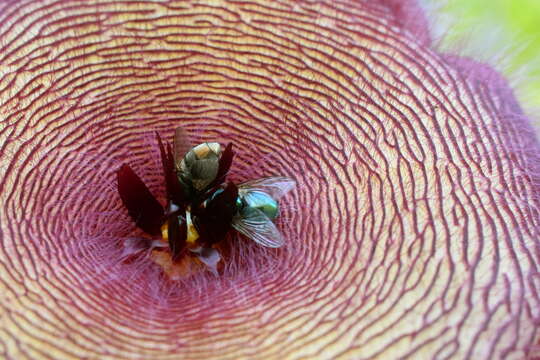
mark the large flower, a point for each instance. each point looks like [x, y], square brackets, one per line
[413, 232]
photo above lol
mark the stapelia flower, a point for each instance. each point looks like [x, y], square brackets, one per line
[413, 231]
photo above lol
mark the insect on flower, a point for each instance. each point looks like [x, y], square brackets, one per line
[202, 206]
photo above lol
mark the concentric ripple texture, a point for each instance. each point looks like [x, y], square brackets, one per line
[413, 231]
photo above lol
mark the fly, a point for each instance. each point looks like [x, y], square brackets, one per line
[258, 201]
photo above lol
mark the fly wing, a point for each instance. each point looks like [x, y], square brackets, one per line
[276, 186]
[181, 146]
[254, 224]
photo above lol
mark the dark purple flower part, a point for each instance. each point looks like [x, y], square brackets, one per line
[212, 209]
[175, 193]
[142, 206]
[225, 162]
[177, 233]
[413, 232]
[214, 217]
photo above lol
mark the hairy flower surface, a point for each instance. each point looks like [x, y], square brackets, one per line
[413, 231]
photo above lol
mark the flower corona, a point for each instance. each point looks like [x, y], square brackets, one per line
[202, 207]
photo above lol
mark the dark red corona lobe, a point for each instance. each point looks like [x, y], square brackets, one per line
[142, 206]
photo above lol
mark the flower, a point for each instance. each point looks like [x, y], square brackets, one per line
[413, 232]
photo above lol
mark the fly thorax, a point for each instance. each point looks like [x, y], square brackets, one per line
[262, 201]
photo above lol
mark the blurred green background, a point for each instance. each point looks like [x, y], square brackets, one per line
[505, 33]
